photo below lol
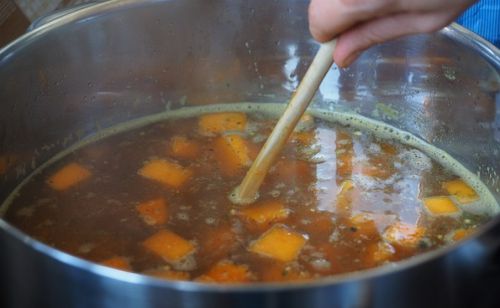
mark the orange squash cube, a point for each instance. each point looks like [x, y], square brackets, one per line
[68, 176]
[279, 243]
[117, 262]
[462, 192]
[216, 123]
[227, 272]
[403, 235]
[183, 148]
[460, 234]
[153, 212]
[231, 152]
[265, 212]
[440, 205]
[168, 245]
[167, 173]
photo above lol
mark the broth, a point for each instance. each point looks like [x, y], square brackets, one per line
[154, 200]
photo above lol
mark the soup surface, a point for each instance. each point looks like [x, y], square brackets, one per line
[154, 200]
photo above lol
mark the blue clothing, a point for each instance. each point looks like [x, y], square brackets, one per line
[483, 18]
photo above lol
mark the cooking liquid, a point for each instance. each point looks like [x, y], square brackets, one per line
[353, 189]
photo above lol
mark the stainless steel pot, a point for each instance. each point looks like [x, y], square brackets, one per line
[120, 60]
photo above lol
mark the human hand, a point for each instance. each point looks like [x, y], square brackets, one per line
[360, 24]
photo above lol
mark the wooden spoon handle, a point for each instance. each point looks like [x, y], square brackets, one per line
[247, 192]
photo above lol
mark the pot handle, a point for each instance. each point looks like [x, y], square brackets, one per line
[46, 18]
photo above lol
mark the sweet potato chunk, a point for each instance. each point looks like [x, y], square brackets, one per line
[153, 212]
[168, 245]
[167, 173]
[68, 176]
[231, 152]
[279, 243]
[168, 273]
[461, 191]
[404, 235]
[216, 123]
[265, 212]
[227, 272]
[440, 206]
[117, 262]
[183, 148]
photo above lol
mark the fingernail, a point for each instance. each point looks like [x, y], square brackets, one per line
[349, 60]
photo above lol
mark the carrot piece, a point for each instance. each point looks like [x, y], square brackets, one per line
[440, 206]
[68, 176]
[216, 123]
[117, 262]
[153, 212]
[167, 173]
[227, 271]
[168, 245]
[403, 235]
[231, 152]
[461, 191]
[265, 212]
[182, 148]
[279, 243]
[167, 273]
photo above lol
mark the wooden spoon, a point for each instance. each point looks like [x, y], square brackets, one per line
[247, 191]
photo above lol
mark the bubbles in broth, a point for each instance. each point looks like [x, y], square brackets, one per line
[346, 194]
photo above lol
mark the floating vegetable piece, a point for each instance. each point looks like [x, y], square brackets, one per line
[227, 272]
[462, 192]
[183, 148]
[153, 212]
[265, 212]
[231, 152]
[279, 243]
[167, 173]
[168, 245]
[216, 123]
[440, 205]
[70, 175]
[117, 262]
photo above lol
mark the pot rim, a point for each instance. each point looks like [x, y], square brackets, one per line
[85, 13]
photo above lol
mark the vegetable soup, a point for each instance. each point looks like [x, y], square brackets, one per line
[154, 200]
